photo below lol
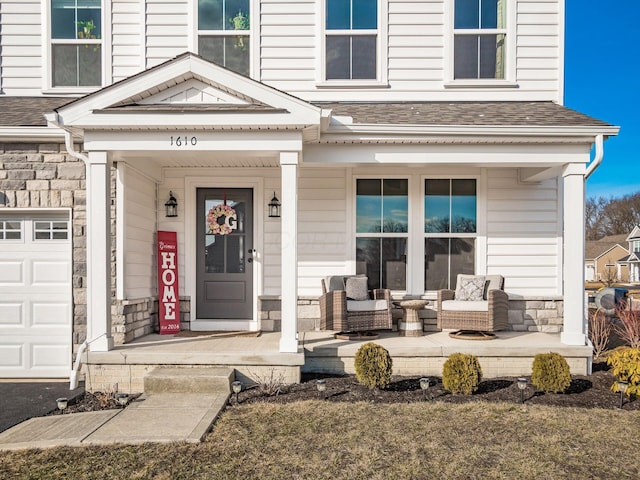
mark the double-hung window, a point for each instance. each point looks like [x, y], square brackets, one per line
[382, 225]
[76, 43]
[351, 35]
[479, 39]
[636, 246]
[450, 229]
[224, 33]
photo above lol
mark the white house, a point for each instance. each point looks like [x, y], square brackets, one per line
[409, 139]
[632, 261]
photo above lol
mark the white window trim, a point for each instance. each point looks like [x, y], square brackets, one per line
[381, 80]
[253, 34]
[105, 42]
[510, 33]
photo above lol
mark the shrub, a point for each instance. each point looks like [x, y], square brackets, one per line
[599, 332]
[550, 373]
[461, 373]
[373, 366]
[628, 327]
[626, 367]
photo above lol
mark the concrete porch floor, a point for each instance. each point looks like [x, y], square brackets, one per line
[257, 359]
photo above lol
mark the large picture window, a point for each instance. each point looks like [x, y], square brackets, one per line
[76, 43]
[224, 33]
[450, 226]
[479, 39]
[382, 222]
[351, 39]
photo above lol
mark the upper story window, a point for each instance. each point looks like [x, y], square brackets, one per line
[76, 43]
[224, 33]
[636, 246]
[479, 39]
[351, 31]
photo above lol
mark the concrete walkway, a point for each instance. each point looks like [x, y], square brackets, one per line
[164, 417]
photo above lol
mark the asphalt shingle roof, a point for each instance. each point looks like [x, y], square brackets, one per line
[28, 111]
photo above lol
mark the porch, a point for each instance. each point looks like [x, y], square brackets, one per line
[258, 359]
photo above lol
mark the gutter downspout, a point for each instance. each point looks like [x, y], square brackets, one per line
[597, 159]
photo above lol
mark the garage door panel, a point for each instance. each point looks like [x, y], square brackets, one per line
[50, 314]
[12, 273]
[11, 355]
[10, 314]
[49, 273]
[48, 357]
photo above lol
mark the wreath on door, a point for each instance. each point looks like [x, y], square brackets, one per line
[219, 220]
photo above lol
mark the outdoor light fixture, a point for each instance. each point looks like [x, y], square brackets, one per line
[425, 383]
[237, 388]
[274, 207]
[171, 206]
[321, 386]
[62, 403]
[122, 399]
[622, 386]
[522, 384]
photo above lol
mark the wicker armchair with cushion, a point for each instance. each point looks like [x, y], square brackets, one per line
[479, 303]
[347, 306]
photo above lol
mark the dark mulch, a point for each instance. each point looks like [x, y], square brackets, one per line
[592, 391]
[91, 402]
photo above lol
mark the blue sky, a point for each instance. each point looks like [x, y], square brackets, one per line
[602, 79]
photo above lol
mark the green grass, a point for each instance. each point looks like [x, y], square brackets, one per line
[322, 440]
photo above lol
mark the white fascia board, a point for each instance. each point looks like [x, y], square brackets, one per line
[635, 233]
[31, 133]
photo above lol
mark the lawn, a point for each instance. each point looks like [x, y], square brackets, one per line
[326, 440]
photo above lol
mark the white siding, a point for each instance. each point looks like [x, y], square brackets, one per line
[127, 38]
[167, 29]
[21, 47]
[524, 233]
[140, 229]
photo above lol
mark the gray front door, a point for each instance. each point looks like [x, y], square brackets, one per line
[224, 247]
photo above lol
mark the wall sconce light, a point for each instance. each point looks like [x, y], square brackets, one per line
[274, 207]
[171, 206]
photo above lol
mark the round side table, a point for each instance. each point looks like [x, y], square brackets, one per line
[411, 324]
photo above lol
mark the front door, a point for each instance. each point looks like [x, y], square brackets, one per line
[224, 271]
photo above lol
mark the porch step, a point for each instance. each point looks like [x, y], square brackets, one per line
[189, 380]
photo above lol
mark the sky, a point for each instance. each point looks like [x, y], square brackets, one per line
[602, 80]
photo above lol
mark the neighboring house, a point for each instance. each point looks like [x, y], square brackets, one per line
[632, 261]
[601, 262]
[408, 140]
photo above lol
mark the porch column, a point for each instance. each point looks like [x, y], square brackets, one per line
[99, 252]
[289, 258]
[574, 325]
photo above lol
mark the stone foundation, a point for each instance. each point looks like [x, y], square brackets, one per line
[536, 314]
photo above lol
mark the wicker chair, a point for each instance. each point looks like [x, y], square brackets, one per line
[343, 315]
[488, 315]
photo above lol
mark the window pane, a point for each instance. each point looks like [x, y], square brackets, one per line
[338, 13]
[462, 258]
[368, 205]
[90, 65]
[237, 15]
[338, 57]
[463, 205]
[466, 14]
[465, 54]
[368, 260]
[364, 57]
[89, 24]
[210, 15]
[65, 66]
[365, 14]
[492, 56]
[395, 209]
[230, 52]
[76, 19]
[212, 48]
[436, 206]
[383, 261]
[436, 263]
[63, 18]
[489, 14]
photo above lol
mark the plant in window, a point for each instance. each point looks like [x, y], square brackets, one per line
[240, 22]
[86, 29]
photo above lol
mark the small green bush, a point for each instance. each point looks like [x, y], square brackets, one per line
[461, 373]
[626, 367]
[373, 366]
[550, 373]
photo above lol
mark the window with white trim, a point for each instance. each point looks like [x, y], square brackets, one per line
[50, 230]
[10, 230]
[450, 230]
[76, 43]
[479, 39]
[636, 246]
[382, 226]
[224, 34]
[351, 39]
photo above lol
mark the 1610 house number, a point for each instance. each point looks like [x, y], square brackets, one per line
[182, 141]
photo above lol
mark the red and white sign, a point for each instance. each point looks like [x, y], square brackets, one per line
[168, 291]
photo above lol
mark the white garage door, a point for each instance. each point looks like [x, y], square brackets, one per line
[35, 295]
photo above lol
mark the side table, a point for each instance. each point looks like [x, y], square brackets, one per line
[411, 324]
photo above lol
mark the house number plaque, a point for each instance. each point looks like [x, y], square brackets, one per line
[182, 141]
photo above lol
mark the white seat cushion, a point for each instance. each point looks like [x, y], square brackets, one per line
[465, 306]
[366, 305]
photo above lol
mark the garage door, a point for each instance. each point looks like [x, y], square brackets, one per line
[35, 295]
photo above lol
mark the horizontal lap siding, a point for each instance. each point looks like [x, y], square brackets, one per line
[167, 32]
[21, 47]
[127, 38]
[140, 229]
[523, 232]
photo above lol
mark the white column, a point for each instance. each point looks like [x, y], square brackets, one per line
[289, 262]
[575, 324]
[99, 253]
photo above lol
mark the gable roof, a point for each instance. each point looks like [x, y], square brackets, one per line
[597, 248]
